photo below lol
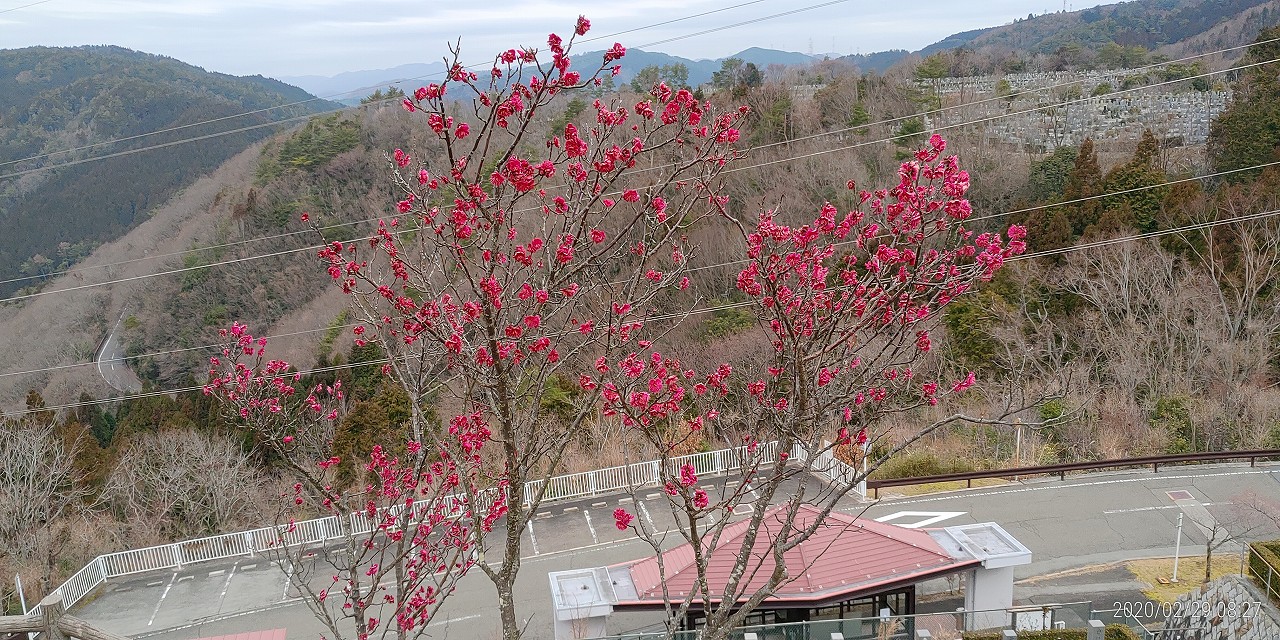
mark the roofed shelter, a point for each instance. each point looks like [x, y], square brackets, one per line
[849, 568]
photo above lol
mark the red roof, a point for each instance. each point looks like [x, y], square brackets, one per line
[273, 634]
[845, 557]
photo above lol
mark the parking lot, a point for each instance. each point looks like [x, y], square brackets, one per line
[1086, 520]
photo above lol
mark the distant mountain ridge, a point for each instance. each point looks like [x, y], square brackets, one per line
[1148, 24]
[55, 99]
[350, 86]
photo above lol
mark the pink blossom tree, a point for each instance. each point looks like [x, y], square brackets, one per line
[848, 301]
[511, 265]
[406, 532]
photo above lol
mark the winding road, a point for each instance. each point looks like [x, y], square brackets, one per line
[111, 361]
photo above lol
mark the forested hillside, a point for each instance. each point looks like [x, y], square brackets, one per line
[1127, 34]
[60, 106]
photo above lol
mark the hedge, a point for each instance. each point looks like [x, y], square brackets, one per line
[1113, 632]
[1264, 553]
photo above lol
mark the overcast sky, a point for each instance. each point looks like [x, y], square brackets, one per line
[326, 37]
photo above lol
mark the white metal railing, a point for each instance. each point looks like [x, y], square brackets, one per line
[1271, 580]
[249, 543]
[834, 469]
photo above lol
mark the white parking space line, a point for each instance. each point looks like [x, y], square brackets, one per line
[450, 620]
[590, 527]
[532, 539]
[288, 579]
[552, 555]
[648, 518]
[225, 585]
[162, 597]
[1059, 485]
[1160, 508]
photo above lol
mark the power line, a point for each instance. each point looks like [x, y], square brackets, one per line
[666, 41]
[1039, 254]
[735, 169]
[988, 118]
[185, 252]
[300, 118]
[334, 95]
[1192, 227]
[165, 392]
[761, 147]
[696, 268]
[24, 6]
[145, 276]
[1101, 196]
[664, 23]
[168, 352]
[1146, 236]
[162, 145]
[1169, 183]
[811, 7]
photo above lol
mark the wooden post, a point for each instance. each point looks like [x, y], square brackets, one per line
[51, 611]
[77, 628]
[21, 624]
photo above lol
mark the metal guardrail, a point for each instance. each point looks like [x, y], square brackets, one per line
[321, 530]
[1271, 580]
[576, 485]
[1061, 470]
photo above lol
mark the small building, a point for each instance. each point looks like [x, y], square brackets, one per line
[849, 569]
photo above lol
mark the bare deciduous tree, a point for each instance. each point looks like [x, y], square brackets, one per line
[184, 483]
[39, 489]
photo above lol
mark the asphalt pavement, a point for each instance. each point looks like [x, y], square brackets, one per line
[1091, 521]
[111, 362]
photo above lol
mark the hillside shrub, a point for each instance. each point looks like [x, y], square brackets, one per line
[920, 463]
[726, 321]
[318, 142]
[1113, 632]
[1266, 553]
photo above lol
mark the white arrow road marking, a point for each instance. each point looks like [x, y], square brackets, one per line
[925, 518]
